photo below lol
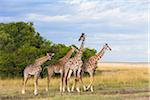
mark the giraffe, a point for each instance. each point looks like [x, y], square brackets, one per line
[58, 67]
[74, 65]
[91, 64]
[34, 69]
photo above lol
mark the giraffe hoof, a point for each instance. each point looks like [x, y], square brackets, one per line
[84, 88]
[46, 89]
[78, 90]
[63, 90]
[35, 93]
[23, 92]
[92, 91]
[72, 90]
[68, 89]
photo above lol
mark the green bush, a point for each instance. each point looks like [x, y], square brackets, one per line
[20, 45]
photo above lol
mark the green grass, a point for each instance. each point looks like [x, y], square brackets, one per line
[111, 83]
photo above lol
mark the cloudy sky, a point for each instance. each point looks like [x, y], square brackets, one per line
[123, 24]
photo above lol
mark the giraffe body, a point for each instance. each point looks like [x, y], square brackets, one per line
[34, 69]
[58, 67]
[90, 64]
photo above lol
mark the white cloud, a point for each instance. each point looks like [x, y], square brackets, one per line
[114, 12]
[72, 2]
[10, 19]
[46, 18]
[118, 37]
[86, 6]
[112, 17]
[123, 44]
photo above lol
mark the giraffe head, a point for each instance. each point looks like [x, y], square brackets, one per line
[106, 46]
[50, 55]
[82, 37]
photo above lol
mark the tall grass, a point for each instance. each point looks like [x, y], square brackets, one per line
[109, 83]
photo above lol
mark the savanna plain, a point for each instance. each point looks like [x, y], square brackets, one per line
[112, 81]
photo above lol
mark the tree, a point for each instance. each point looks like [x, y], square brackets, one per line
[20, 45]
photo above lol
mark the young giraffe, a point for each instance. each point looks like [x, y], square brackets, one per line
[34, 69]
[58, 67]
[91, 64]
[74, 65]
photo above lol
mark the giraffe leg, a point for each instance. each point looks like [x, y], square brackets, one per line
[91, 82]
[78, 78]
[92, 85]
[24, 83]
[75, 81]
[77, 84]
[68, 78]
[65, 79]
[35, 84]
[61, 82]
[74, 84]
[50, 73]
[91, 88]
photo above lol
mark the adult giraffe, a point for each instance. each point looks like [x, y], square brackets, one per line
[58, 67]
[91, 64]
[74, 65]
[34, 69]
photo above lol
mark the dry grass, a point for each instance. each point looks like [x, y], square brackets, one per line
[118, 82]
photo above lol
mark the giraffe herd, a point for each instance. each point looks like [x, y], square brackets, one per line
[66, 66]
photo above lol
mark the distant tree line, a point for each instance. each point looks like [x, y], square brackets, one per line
[20, 45]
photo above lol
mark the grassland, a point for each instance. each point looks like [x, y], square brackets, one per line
[112, 82]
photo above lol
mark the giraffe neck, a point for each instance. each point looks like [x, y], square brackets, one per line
[82, 45]
[41, 60]
[80, 51]
[101, 53]
[67, 56]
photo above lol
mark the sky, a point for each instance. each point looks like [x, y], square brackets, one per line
[123, 24]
